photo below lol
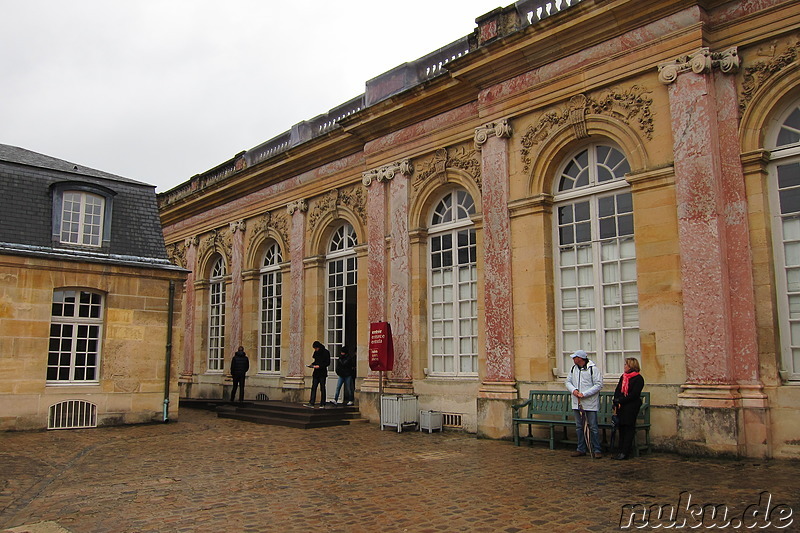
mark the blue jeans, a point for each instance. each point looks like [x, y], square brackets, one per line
[349, 389]
[594, 431]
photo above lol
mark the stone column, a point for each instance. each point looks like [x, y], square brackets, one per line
[237, 260]
[188, 314]
[294, 382]
[722, 376]
[498, 387]
[396, 274]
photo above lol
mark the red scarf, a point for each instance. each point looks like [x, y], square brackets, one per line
[626, 377]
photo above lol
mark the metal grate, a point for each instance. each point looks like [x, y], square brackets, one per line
[72, 414]
[452, 420]
[261, 397]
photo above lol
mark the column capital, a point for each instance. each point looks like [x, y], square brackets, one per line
[700, 62]
[238, 225]
[194, 240]
[387, 172]
[297, 205]
[500, 129]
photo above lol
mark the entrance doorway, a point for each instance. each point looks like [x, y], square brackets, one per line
[341, 304]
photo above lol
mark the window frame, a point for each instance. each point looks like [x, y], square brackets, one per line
[269, 344]
[593, 193]
[217, 308]
[75, 321]
[460, 327]
[59, 190]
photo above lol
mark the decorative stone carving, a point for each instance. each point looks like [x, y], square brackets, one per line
[700, 62]
[501, 129]
[238, 225]
[629, 106]
[353, 198]
[297, 205]
[277, 222]
[387, 172]
[442, 159]
[218, 240]
[192, 241]
[755, 76]
[176, 253]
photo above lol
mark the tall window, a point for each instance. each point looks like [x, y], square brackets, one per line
[785, 200]
[597, 296]
[341, 291]
[75, 328]
[453, 289]
[216, 317]
[269, 355]
[82, 218]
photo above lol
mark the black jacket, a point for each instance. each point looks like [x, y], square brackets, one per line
[322, 357]
[240, 364]
[346, 366]
[629, 404]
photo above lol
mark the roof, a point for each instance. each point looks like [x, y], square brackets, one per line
[21, 156]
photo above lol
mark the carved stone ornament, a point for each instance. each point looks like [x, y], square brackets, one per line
[501, 129]
[218, 240]
[458, 158]
[700, 62]
[629, 106]
[277, 222]
[176, 252]
[387, 172]
[297, 205]
[192, 241]
[756, 75]
[354, 198]
[238, 225]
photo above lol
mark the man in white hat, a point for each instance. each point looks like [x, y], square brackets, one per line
[584, 381]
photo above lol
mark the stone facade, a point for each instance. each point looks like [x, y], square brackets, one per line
[663, 117]
[52, 370]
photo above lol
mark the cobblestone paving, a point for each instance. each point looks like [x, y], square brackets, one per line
[202, 473]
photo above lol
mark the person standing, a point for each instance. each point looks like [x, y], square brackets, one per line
[322, 358]
[584, 381]
[346, 370]
[240, 364]
[627, 401]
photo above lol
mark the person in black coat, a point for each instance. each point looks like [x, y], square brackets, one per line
[346, 370]
[322, 359]
[240, 364]
[627, 401]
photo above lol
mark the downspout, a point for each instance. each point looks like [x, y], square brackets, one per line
[168, 363]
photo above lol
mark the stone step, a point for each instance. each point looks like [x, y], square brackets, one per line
[284, 413]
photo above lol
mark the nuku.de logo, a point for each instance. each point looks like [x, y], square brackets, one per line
[686, 514]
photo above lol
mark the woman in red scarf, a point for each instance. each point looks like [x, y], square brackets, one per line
[627, 401]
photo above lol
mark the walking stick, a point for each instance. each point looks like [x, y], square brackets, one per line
[585, 423]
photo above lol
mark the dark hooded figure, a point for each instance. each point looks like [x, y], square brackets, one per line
[322, 358]
[240, 364]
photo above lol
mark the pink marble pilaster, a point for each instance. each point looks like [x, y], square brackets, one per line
[297, 232]
[237, 260]
[498, 314]
[400, 278]
[737, 233]
[376, 252]
[701, 229]
[189, 309]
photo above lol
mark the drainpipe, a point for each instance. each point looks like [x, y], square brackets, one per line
[168, 363]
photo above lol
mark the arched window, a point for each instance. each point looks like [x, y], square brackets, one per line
[784, 189]
[269, 350]
[216, 317]
[341, 291]
[452, 286]
[595, 258]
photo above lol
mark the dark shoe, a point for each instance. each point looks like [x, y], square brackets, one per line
[598, 456]
[619, 457]
[308, 404]
[577, 454]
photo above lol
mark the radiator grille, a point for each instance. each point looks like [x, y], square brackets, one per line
[452, 420]
[72, 414]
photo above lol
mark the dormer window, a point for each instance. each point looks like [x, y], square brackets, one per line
[81, 214]
[82, 218]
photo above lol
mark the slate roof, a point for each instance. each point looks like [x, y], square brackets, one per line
[26, 210]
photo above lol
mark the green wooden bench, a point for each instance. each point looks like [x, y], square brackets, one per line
[553, 409]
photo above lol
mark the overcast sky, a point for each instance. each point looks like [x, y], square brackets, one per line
[161, 90]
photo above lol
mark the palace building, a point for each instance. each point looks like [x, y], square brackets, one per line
[607, 175]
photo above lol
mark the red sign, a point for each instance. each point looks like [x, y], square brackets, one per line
[381, 349]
